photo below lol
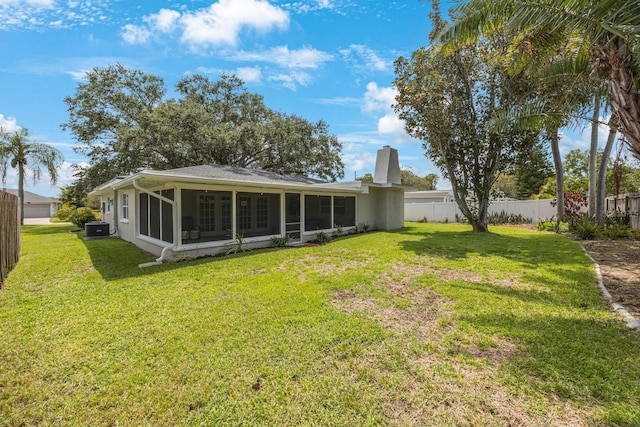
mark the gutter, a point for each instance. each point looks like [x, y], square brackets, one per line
[171, 246]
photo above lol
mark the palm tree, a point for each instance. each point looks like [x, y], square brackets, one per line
[19, 152]
[607, 31]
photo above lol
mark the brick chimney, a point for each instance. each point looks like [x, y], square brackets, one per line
[387, 166]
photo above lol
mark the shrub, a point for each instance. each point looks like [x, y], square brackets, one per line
[574, 201]
[617, 217]
[503, 217]
[281, 241]
[237, 245]
[81, 216]
[65, 211]
[585, 228]
[616, 231]
[363, 227]
[552, 224]
[339, 230]
[322, 237]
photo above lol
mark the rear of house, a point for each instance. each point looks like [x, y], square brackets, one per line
[201, 210]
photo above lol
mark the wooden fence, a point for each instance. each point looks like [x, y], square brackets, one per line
[627, 203]
[9, 234]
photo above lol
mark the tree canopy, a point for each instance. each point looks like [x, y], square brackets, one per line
[599, 39]
[407, 177]
[124, 124]
[447, 100]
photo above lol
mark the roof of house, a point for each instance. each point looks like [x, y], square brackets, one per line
[232, 173]
[427, 194]
[32, 198]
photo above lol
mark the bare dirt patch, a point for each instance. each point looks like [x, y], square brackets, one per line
[619, 262]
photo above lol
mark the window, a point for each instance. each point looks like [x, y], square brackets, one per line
[206, 216]
[258, 214]
[262, 212]
[125, 206]
[317, 212]
[344, 211]
[156, 216]
[244, 213]
[207, 207]
[225, 208]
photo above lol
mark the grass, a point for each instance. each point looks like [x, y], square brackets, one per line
[431, 325]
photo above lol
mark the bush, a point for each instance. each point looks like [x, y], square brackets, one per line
[81, 216]
[617, 217]
[585, 228]
[503, 217]
[574, 202]
[322, 237]
[281, 241]
[65, 211]
[552, 224]
[616, 231]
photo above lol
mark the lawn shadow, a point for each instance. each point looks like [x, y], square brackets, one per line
[40, 230]
[117, 259]
[571, 356]
[532, 249]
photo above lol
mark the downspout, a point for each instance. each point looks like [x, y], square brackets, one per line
[170, 246]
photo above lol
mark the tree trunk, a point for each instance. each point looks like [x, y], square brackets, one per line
[593, 156]
[602, 173]
[479, 226]
[21, 190]
[623, 91]
[557, 163]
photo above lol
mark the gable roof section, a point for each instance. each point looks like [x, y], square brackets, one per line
[32, 198]
[236, 174]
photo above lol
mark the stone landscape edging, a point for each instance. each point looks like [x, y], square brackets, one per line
[631, 321]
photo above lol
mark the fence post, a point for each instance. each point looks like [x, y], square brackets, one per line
[9, 234]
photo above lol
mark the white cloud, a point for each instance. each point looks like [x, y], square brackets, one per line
[282, 56]
[134, 34]
[34, 3]
[36, 14]
[390, 124]
[364, 59]
[218, 25]
[246, 74]
[292, 80]
[344, 101]
[8, 124]
[221, 23]
[302, 7]
[249, 74]
[379, 99]
[164, 21]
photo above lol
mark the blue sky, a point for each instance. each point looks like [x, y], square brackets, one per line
[328, 60]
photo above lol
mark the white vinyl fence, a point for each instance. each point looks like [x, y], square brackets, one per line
[446, 211]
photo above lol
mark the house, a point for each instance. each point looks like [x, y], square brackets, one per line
[37, 206]
[201, 210]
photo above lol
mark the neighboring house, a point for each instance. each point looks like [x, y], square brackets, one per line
[432, 196]
[37, 206]
[200, 210]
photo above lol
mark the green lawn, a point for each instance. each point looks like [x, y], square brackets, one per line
[431, 325]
